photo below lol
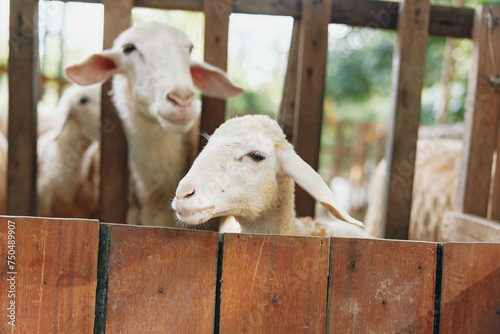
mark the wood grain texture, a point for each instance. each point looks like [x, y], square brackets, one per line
[470, 300]
[408, 74]
[216, 36]
[161, 280]
[286, 113]
[55, 275]
[445, 21]
[23, 98]
[114, 161]
[481, 118]
[311, 66]
[462, 227]
[274, 284]
[381, 286]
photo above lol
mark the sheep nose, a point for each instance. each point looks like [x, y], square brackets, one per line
[186, 194]
[182, 97]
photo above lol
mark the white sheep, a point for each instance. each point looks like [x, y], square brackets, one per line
[153, 91]
[434, 189]
[68, 157]
[247, 170]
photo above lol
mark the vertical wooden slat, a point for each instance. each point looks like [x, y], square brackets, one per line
[114, 163]
[380, 286]
[481, 118]
[49, 274]
[470, 299]
[216, 37]
[161, 280]
[313, 45]
[23, 98]
[408, 73]
[286, 113]
[274, 284]
[495, 197]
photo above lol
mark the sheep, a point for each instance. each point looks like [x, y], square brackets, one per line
[68, 157]
[247, 170]
[434, 189]
[153, 92]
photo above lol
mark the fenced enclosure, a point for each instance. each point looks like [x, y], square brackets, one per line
[163, 280]
[301, 110]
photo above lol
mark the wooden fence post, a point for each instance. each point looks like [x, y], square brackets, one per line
[216, 36]
[114, 161]
[481, 118]
[286, 114]
[23, 98]
[408, 73]
[313, 45]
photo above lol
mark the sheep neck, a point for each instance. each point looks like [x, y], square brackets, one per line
[73, 140]
[156, 156]
[279, 218]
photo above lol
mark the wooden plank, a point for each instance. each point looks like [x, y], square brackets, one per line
[381, 286]
[408, 73]
[161, 278]
[23, 98]
[445, 21]
[286, 113]
[470, 299]
[481, 118]
[461, 227]
[50, 284]
[273, 284]
[313, 46]
[114, 161]
[216, 36]
[495, 196]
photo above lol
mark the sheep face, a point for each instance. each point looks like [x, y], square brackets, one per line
[235, 175]
[153, 75]
[246, 170]
[80, 105]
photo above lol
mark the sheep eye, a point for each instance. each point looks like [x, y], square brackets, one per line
[190, 48]
[84, 100]
[257, 156]
[128, 48]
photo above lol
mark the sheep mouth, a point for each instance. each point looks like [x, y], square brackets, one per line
[194, 216]
[176, 120]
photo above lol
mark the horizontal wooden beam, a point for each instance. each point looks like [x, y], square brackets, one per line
[444, 21]
[462, 227]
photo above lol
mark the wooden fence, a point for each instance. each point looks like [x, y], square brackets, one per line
[301, 112]
[76, 276]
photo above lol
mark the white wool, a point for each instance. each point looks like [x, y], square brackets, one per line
[153, 91]
[227, 179]
[434, 189]
[68, 157]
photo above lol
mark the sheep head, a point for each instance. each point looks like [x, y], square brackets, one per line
[153, 75]
[80, 105]
[240, 173]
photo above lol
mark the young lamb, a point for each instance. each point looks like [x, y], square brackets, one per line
[247, 170]
[153, 91]
[68, 157]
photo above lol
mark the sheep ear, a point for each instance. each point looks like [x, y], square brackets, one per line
[306, 177]
[97, 68]
[212, 81]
